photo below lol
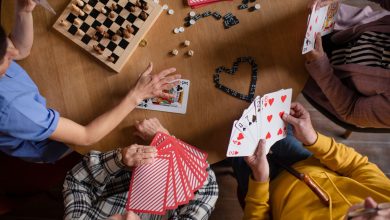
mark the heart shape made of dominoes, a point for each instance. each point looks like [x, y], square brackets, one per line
[252, 87]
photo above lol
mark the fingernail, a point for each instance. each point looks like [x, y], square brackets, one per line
[284, 116]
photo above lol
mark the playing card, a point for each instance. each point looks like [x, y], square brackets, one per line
[316, 21]
[177, 104]
[274, 105]
[248, 123]
[330, 19]
[156, 190]
[171, 201]
[240, 144]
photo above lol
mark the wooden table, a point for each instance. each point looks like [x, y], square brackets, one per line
[81, 88]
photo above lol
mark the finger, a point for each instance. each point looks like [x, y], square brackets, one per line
[260, 150]
[148, 70]
[318, 43]
[167, 86]
[139, 134]
[166, 95]
[148, 161]
[149, 149]
[290, 119]
[166, 72]
[170, 79]
[148, 155]
[370, 203]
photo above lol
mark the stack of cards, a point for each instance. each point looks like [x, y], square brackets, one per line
[178, 171]
[320, 21]
[200, 3]
[261, 120]
[177, 104]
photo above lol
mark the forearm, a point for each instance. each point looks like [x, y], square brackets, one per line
[343, 159]
[256, 200]
[22, 34]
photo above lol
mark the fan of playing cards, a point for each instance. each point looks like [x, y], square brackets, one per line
[261, 120]
[171, 180]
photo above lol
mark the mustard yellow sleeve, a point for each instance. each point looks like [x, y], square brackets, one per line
[346, 161]
[256, 201]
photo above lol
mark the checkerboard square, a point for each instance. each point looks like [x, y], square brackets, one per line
[92, 2]
[72, 29]
[94, 13]
[96, 24]
[131, 18]
[119, 20]
[86, 39]
[84, 27]
[123, 43]
[108, 22]
[71, 18]
[111, 46]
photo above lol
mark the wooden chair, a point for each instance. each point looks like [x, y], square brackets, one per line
[348, 127]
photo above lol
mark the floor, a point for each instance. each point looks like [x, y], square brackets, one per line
[376, 146]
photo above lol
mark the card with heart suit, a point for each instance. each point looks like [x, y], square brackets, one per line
[178, 171]
[261, 120]
[177, 104]
[320, 21]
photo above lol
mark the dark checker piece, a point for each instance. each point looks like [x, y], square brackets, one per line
[94, 13]
[123, 43]
[108, 22]
[131, 18]
[72, 29]
[116, 57]
[119, 20]
[84, 27]
[111, 46]
[71, 18]
[92, 3]
[86, 39]
[96, 24]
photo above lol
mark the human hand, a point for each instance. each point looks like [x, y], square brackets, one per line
[136, 155]
[25, 5]
[258, 163]
[148, 128]
[299, 118]
[149, 85]
[369, 209]
[127, 216]
[318, 4]
[317, 52]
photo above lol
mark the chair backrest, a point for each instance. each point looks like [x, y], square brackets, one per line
[341, 123]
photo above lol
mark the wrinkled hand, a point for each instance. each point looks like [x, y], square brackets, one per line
[318, 4]
[299, 118]
[153, 85]
[148, 128]
[136, 155]
[127, 216]
[258, 163]
[317, 52]
[25, 5]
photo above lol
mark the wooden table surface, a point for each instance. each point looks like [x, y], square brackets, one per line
[81, 88]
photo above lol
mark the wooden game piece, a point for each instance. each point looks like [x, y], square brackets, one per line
[126, 34]
[138, 4]
[80, 32]
[143, 15]
[77, 21]
[171, 12]
[88, 8]
[63, 23]
[186, 43]
[114, 37]
[132, 9]
[145, 7]
[80, 3]
[190, 53]
[110, 58]
[103, 10]
[130, 28]
[100, 29]
[114, 6]
[97, 49]
[174, 52]
[112, 14]
[143, 43]
[119, 32]
[106, 35]
[95, 37]
[75, 8]
[81, 13]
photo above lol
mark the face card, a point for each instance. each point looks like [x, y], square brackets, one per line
[330, 19]
[240, 144]
[315, 24]
[274, 105]
[156, 190]
[248, 123]
[257, 103]
[177, 104]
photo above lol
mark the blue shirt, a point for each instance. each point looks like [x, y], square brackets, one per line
[25, 121]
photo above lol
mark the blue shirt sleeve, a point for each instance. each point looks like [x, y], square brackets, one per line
[26, 118]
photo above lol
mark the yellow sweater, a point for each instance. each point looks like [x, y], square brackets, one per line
[345, 175]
